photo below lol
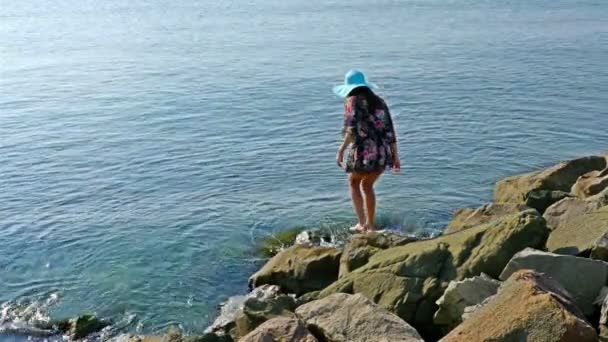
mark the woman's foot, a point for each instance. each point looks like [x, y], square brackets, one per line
[370, 228]
[358, 228]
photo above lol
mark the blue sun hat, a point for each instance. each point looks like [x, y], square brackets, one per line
[353, 79]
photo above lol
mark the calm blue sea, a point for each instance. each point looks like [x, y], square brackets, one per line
[146, 145]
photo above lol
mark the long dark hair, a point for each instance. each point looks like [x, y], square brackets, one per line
[374, 102]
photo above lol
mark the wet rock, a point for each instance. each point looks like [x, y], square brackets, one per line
[576, 235]
[583, 278]
[408, 280]
[543, 199]
[467, 217]
[559, 177]
[315, 238]
[280, 329]
[591, 183]
[353, 318]
[529, 306]
[462, 294]
[224, 323]
[81, 326]
[300, 269]
[256, 312]
[361, 247]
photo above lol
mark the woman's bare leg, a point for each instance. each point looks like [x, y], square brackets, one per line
[367, 185]
[354, 182]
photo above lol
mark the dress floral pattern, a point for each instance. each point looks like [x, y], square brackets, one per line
[373, 133]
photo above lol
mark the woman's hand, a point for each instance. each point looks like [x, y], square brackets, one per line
[340, 157]
[396, 164]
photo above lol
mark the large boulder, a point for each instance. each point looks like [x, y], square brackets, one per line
[361, 247]
[407, 280]
[280, 329]
[528, 307]
[300, 269]
[353, 318]
[568, 208]
[559, 177]
[462, 294]
[583, 278]
[256, 312]
[591, 183]
[577, 234]
[468, 217]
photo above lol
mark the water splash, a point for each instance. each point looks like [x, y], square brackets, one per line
[26, 317]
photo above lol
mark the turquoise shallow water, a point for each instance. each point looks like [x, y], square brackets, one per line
[146, 145]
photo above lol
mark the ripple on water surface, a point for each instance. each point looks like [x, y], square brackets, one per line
[146, 147]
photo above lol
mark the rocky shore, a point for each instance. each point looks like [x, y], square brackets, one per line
[531, 266]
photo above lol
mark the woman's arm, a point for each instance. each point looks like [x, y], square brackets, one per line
[348, 139]
[393, 142]
[349, 126]
[395, 153]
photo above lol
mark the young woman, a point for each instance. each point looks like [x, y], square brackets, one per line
[369, 146]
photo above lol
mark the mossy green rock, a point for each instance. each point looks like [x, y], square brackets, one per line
[81, 326]
[361, 247]
[256, 312]
[560, 177]
[470, 217]
[407, 280]
[274, 243]
[300, 269]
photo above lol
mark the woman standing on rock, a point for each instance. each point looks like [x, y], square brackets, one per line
[369, 146]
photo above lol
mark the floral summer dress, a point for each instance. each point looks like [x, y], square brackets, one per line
[374, 133]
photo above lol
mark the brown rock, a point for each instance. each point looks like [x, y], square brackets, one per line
[559, 177]
[467, 217]
[300, 269]
[280, 329]
[583, 278]
[407, 280]
[576, 235]
[528, 307]
[571, 207]
[591, 183]
[354, 318]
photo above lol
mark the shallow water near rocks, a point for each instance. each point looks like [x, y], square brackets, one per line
[146, 146]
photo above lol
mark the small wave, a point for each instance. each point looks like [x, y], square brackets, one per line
[29, 320]
[24, 318]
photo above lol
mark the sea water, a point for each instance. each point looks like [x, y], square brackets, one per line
[145, 146]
